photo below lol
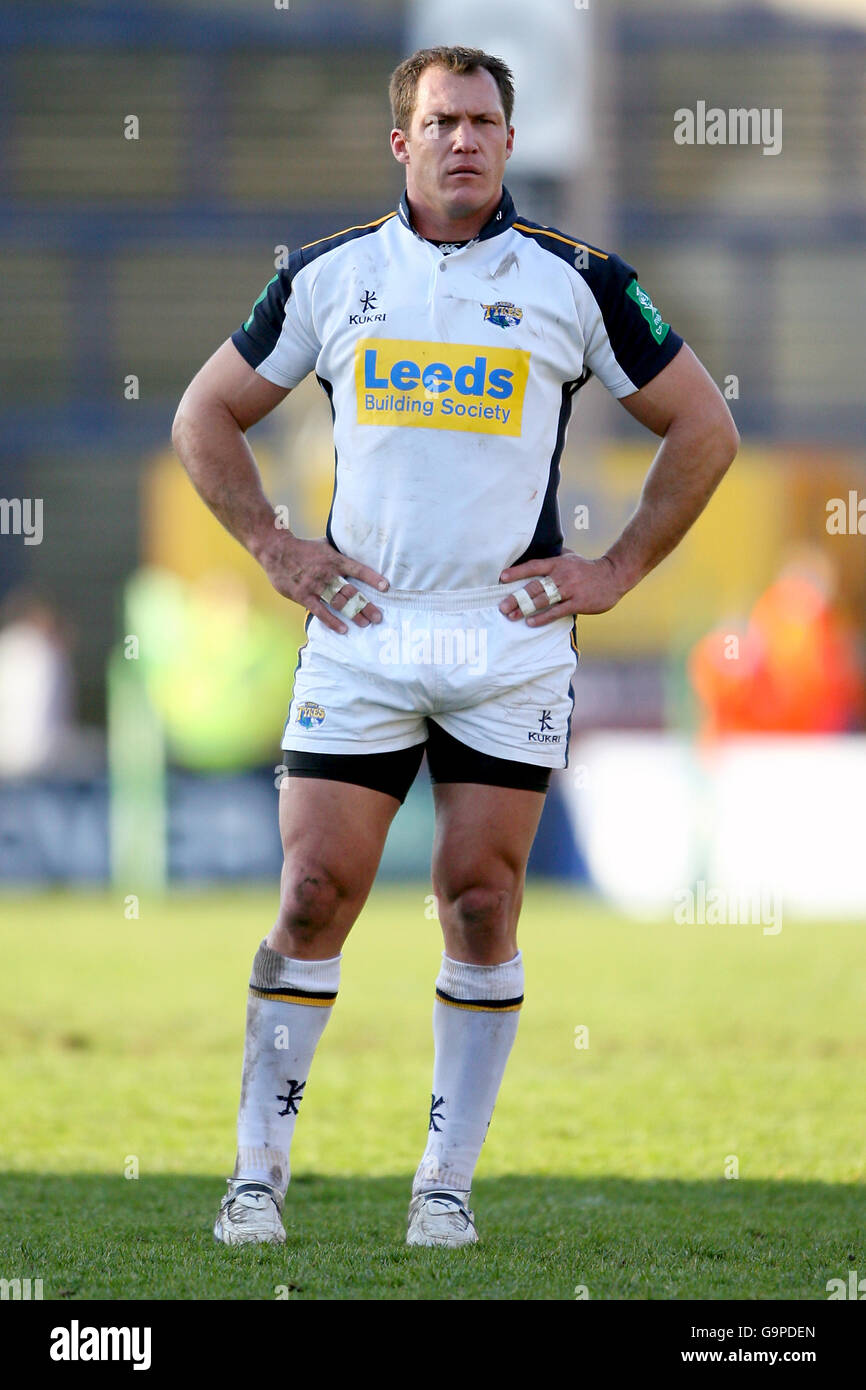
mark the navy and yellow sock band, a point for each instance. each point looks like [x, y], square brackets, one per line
[286, 994]
[484, 1006]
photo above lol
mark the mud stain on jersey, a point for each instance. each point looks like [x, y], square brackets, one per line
[505, 265]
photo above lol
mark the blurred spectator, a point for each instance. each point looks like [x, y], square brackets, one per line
[795, 669]
[217, 670]
[35, 685]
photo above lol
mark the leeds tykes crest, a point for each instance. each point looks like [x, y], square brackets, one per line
[503, 314]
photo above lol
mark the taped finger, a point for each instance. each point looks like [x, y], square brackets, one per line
[332, 588]
[353, 606]
[525, 602]
[549, 587]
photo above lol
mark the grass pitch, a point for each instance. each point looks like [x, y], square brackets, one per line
[609, 1168]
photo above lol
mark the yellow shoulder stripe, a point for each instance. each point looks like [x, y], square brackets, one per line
[359, 228]
[542, 231]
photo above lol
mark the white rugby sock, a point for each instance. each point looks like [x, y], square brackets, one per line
[289, 1004]
[474, 1026]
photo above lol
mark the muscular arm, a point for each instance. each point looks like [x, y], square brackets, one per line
[217, 408]
[222, 401]
[700, 440]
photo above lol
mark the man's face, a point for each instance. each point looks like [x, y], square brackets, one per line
[456, 148]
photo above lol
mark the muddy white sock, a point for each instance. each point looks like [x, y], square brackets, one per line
[289, 1004]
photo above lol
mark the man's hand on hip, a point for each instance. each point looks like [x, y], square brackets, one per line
[564, 585]
[317, 576]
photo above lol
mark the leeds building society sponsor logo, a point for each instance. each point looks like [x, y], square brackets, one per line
[310, 715]
[503, 314]
[542, 734]
[440, 386]
[658, 329]
[368, 306]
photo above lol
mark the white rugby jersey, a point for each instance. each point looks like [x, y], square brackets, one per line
[451, 379]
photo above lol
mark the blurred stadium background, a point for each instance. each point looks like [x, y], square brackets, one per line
[145, 664]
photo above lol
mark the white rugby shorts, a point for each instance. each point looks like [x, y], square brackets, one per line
[495, 684]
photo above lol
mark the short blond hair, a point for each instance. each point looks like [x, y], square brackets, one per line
[403, 87]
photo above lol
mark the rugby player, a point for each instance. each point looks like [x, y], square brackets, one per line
[450, 336]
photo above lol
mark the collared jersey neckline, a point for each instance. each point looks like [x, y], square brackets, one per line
[498, 222]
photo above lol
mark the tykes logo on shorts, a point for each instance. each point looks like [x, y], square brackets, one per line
[440, 386]
[310, 715]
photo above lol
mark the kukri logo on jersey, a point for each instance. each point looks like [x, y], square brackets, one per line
[370, 311]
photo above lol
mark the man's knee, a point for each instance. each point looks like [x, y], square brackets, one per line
[479, 909]
[311, 897]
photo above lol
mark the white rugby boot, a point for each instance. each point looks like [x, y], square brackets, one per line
[250, 1214]
[441, 1218]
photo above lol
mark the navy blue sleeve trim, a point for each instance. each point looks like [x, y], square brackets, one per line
[258, 337]
[641, 341]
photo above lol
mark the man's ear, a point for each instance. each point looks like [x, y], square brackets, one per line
[399, 146]
[509, 144]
